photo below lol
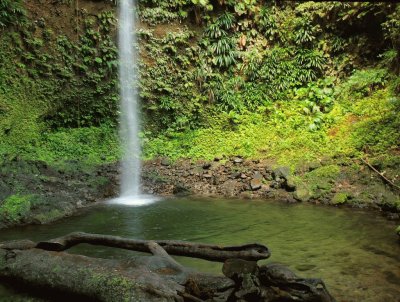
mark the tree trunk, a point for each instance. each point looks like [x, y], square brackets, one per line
[250, 252]
[154, 278]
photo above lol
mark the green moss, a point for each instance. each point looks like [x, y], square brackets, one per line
[15, 208]
[49, 216]
[320, 181]
[302, 194]
[340, 198]
[398, 230]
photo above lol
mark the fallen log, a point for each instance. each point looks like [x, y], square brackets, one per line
[149, 278]
[250, 252]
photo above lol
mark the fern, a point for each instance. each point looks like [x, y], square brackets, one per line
[11, 13]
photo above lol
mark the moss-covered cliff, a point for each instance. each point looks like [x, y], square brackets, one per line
[294, 83]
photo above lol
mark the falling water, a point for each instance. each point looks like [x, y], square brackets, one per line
[130, 179]
[129, 126]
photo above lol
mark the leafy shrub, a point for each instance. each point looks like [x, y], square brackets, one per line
[11, 13]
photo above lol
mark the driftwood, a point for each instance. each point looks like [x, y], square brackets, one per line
[150, 278]
[250, 252]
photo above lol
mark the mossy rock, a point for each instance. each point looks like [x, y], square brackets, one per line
[320, 181]
[398, 230]
[16, 208]
[340, 198]
[302, 194]
[281, 172]
[48, 217]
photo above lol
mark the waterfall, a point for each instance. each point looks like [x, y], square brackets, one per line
[129, 116]
[129, 120]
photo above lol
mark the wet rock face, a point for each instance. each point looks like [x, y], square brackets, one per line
[50, 193]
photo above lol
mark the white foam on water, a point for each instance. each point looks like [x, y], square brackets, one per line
[135, 200]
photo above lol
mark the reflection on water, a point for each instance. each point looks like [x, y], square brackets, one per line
[355, 252]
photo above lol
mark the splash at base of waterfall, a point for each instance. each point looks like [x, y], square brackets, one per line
[135, 200]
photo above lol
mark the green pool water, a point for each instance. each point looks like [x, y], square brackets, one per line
[355, 252]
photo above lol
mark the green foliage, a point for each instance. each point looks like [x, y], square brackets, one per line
[317, 99]
[90, 69]
[91, 145]
[15, 208]
[363, 82]
[11, 13]
[340, 198]
[321, 180]
[219, 44]
[288, 82]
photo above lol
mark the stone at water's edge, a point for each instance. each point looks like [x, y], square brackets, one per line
[255, 184]
[290, 184]
[234, 267]
[302, 194]
[281, 172]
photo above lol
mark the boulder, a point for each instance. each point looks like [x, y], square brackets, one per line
[290, 184]
[234, 267]
[340, 198]
[181, 190]
[255, 184]
[281, 172]
[302, 194]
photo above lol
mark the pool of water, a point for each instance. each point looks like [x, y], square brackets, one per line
[355, 252]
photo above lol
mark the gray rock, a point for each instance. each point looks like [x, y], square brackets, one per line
[236, 175]
[234, 267]
[165, 162]
[258, 175]
[238, 160]
[290, 184]
[181, 190]
[302, 194]
[281, 172]
[255, 184]
[228, 188]
[314, 165]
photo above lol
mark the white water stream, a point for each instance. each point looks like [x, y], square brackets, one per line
[129, 117]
